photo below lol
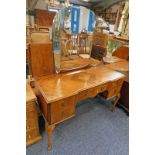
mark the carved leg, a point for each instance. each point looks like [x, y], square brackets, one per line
[115, 102]
[49, 131]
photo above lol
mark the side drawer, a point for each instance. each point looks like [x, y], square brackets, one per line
[63, 109]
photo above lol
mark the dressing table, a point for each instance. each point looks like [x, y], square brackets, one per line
[76, 79]
[58, 94]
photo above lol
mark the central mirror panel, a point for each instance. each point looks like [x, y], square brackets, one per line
[72, 33]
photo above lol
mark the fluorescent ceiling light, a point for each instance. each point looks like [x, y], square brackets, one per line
[53, 10]
[86, 0]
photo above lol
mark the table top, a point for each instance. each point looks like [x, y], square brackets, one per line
[30, 96]
[56, 87]
[113, 59]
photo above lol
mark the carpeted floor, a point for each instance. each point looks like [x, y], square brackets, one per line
[95, 130]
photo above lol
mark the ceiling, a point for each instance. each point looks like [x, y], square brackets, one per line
[95, 4]
[91, 4]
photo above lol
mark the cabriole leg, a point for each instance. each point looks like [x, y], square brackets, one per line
[49, 132]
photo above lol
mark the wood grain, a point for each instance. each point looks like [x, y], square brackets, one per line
[41, 57]
[30, 96]
[56, 87]
[32, 127]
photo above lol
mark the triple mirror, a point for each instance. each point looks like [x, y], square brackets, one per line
[72, 33]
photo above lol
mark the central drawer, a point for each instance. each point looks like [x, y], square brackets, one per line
[101, 88]
[87, 93]
[62, 109]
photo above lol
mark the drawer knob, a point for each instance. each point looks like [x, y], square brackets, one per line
[29, 136]
[63, 104]
[62, 113]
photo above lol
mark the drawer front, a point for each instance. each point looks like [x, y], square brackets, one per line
[62, 109]
[32, 134]
[31, 106]
[101, 88]
[87, 93]
[31, 124]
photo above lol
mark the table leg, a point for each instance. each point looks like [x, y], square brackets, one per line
[116, 101]
[49, 132]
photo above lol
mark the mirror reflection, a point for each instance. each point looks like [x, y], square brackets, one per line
[72, 33]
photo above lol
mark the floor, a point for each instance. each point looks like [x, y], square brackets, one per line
[95, 130]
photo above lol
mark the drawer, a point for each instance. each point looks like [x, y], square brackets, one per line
[32, 134]
[31, 114]
[30, 106]
[87, 93]
[101, 88]
[113, 91]
[62, 109]
[31, 124]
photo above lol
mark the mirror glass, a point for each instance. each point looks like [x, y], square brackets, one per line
[72, 33]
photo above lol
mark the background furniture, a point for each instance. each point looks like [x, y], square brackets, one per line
[100, 39]
[113, 59]
[98, 52]
[122, 52]
[32, 128]
[44, 17]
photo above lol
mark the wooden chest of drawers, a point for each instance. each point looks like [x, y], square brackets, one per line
[32, 127]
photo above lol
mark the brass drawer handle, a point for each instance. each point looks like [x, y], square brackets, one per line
[85, 93]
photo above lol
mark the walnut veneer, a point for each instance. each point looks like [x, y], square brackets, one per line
[32, 128]
[58, 94]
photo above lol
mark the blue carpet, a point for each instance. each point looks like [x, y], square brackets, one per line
[95, 130]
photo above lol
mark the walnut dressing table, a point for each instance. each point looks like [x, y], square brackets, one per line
[58, 94]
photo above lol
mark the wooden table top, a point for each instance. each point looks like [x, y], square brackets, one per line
[56, 87]
[113, 59]
[30, 96]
